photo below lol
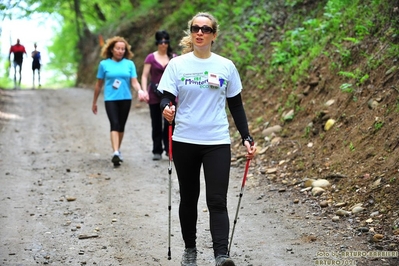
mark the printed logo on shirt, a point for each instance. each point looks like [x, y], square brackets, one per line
[201, 79]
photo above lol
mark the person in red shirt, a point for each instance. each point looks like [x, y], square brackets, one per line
[18, 50]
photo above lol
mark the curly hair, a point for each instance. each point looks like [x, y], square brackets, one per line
[106, 50]
[186, 42]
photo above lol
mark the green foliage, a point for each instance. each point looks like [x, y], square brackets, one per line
[291, 101]
[345, 54]
[363, 79]
[346, 87]
[6, 82]
[259, 120]
[351, 147]
[288, 117]
[346, 74]
[393, 49]
[307, 132]
[378, 125]
[335, 29]
[64, 54]
[95, 14]
[240, 39]
[311, 37]
[353, 40]
[359, 77]
[293, 3]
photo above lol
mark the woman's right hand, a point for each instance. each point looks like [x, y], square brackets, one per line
[169, 113]
[94, 108]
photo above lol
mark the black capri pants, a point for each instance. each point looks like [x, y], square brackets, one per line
[118, 112]
[215, 160]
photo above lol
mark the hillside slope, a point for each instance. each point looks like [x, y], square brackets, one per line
[359, 155]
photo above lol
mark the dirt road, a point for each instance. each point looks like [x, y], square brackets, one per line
[63, 203]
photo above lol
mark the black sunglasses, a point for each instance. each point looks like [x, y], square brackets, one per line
[163, 41]
[204, 29]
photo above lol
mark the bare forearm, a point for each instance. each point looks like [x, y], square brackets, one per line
[97, 90]
[143, 82]
[135, 84]
[96, 93]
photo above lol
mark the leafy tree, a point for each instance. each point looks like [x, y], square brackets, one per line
[79, 20]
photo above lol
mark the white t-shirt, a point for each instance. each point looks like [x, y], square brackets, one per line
[201, 115]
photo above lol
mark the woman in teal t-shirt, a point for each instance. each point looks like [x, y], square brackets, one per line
[117, 73]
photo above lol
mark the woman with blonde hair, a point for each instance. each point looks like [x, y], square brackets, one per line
[203, 80]
[117, 74]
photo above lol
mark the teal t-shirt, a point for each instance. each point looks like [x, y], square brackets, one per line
[118, 73]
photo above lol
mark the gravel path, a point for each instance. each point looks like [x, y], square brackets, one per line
[63, 203]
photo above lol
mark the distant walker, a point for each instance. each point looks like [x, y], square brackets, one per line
[18, 50]
[36, 63]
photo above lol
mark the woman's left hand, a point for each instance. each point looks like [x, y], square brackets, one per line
[251, 150]
[143, 96]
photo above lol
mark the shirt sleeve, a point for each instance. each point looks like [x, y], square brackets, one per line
[168, 82]
[133, 73]
[149, 59]
[234, 86]
[100, 71]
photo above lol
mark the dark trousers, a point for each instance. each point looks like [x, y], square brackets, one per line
[215, 160]
[17, 63]
[118, 112]
[160, 130]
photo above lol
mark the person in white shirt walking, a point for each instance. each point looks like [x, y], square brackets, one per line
[203, 80]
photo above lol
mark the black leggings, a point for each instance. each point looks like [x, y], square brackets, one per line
[160, 133]
[118, 112]
[215, 160]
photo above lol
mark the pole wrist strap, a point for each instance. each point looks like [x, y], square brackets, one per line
[249, 139]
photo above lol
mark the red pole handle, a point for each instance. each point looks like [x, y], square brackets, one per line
[170, 136]
[245, 173]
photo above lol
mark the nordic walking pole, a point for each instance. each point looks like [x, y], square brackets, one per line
[170, 183]
[239, 202]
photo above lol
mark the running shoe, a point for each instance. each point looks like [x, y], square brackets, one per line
[116, 160]
[224, 260]
[189, 257]
[157, 157]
